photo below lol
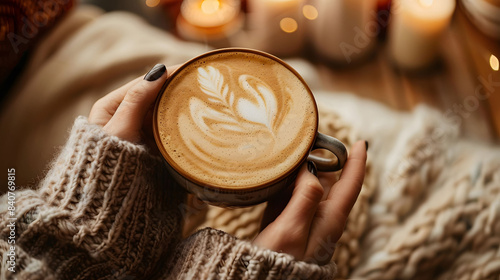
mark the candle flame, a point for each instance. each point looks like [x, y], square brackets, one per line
[210, 6]
[426, 3]
[495, 65]
[310, 12]
[289, 25]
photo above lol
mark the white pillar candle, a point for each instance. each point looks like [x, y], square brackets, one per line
[276, 26]
[415, 29]
[345, 30]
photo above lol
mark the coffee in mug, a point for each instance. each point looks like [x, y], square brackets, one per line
[234, 126]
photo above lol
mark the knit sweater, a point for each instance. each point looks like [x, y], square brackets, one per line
[107, 210]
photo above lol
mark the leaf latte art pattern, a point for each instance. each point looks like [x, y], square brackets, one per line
[236, 113]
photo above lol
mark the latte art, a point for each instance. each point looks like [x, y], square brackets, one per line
[235, 120]
[242, 115]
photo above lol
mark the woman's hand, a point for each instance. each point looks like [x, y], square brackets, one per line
[127, 111]
[314, 218]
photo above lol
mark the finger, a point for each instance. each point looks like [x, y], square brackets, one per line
[305, 199]
[104, 108]
[332, 213]
[290, 231]
[327, 179]
[148, 120]
[351, 178]
[278, 202]
[128, 119]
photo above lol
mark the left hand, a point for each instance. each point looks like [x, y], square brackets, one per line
[127, 111]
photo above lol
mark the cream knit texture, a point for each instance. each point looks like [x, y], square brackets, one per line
[108, 210]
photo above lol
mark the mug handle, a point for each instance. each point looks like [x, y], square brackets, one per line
[333, 145]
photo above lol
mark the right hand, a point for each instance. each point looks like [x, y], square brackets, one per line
[314, 218]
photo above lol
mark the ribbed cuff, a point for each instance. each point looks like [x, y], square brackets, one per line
[213, 254]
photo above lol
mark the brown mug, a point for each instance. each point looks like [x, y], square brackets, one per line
[234, 125]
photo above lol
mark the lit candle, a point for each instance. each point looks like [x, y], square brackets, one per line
[415, 29]
[345, 30]
[276, 26]
[206, 20]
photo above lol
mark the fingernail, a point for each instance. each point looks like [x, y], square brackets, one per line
[311, 166]
[155, 72]
[366, 145]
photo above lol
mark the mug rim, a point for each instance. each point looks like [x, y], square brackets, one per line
[250, 188]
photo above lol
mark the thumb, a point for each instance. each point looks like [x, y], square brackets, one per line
[128, 119]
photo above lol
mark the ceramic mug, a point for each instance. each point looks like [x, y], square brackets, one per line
[235, 125]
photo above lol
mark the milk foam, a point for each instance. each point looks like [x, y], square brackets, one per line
[236, 120]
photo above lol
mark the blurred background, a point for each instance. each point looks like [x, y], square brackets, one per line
[401, 53]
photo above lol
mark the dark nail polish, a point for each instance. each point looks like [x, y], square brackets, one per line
[155, 72]
[311, 166]
[366, 145]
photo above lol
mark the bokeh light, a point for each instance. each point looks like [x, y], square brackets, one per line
[495, 65]
[289, 25]
[310, 12]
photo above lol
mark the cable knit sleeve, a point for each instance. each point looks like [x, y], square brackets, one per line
[214, 254]
[106, 209]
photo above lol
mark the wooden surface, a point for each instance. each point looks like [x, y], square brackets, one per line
[450, 85]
